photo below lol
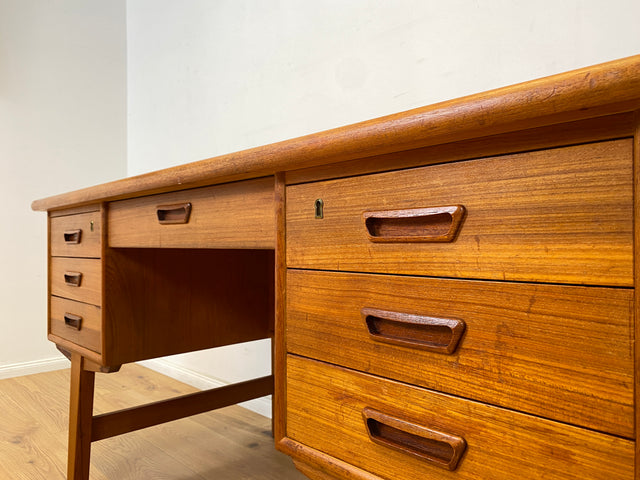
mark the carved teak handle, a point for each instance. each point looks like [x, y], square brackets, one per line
[439, 335]
[434, 224]
[72, 236]
[441, 449]
[73, 321]
[72, 279]
[173, 214]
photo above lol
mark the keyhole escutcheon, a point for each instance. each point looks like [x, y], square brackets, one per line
[319, 208]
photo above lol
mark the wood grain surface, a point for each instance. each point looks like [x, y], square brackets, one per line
[562, 215]
[325, 411]
[564, 353]
[90, 244]
[237, 215]
[90, 288]
[165, 301]
[90, 333]
[278, 346]
[550, 136]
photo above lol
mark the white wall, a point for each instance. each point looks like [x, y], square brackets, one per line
[62, 127]
[210, 77]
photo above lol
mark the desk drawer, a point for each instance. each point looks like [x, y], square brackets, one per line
[234, 215]
[562, 215]
[76, 235]
[380, 426]
[77, 278]
[77, 322]
[560, 352]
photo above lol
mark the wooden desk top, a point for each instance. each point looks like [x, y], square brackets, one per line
[605, 89]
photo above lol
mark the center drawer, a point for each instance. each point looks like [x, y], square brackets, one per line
[233, 215]
[561, 215]
[406, 433]
[561, 352]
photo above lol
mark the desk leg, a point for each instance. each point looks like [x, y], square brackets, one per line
[80, 419]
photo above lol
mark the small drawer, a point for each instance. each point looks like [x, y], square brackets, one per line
[77, 235]
[561, 352]
[404, 432]
[562, 215]
[77, 322]
[77, 278]
[234, 215]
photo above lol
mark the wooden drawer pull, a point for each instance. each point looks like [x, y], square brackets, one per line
[441, 449]
[73, 236]
[436, 224]
[73, 279]
[173, 214]
[440, 335]
[73, 321]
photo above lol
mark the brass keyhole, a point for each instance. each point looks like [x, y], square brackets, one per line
[319, 208]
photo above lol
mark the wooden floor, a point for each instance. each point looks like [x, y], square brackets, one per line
[227, 444]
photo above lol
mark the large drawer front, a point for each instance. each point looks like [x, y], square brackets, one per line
[562, 215]
[77, 278]
[235, 215]
[561, 352]
[76, 322]
[363, 420]
[76, 235]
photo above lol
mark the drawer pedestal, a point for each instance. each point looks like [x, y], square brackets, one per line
[471, 320]
[122, 291]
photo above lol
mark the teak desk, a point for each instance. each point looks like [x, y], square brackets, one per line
[450, 290]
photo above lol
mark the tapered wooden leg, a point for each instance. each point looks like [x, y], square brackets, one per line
[80, 419]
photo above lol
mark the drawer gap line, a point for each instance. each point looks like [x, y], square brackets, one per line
[471, 279]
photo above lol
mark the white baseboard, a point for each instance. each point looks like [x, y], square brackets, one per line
[202, 382]
[36, 366]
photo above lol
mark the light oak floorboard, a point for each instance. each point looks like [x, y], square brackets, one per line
[230, 443]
